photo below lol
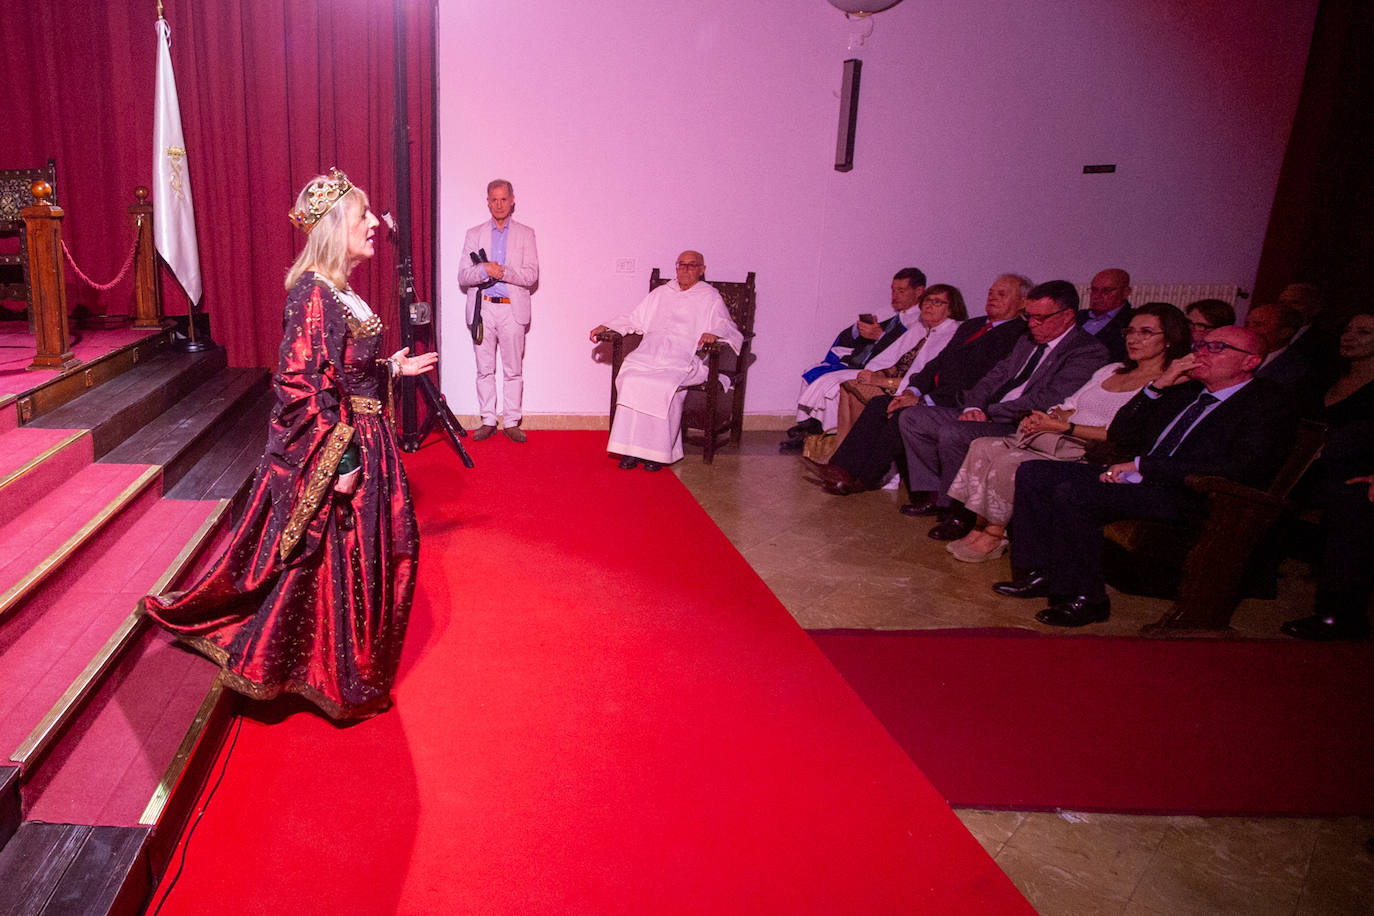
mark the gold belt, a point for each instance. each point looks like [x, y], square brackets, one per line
[365, 405]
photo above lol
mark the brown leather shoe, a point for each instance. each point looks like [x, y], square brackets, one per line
[828, 473]
[483, 433]
[515, 434]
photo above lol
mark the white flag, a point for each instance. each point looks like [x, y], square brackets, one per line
[174, 223]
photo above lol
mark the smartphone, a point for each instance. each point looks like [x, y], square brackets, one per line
[869, 317]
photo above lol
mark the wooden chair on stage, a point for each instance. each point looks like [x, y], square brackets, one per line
[706, 408]
[1206, 572]
[14, 260]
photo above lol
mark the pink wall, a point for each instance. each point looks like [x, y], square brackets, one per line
[636, 128]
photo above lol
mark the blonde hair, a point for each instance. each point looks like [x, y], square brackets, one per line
[326, 247]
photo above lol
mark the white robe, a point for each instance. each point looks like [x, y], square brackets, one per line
[649, 396]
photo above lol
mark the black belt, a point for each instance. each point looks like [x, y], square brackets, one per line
[497, 299]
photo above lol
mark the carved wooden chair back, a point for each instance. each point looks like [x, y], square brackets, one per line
[15, 195]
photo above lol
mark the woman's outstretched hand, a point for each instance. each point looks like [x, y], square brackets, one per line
[413, 365]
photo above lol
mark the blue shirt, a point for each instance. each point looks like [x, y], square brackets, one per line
[1095, 322]
[497, 255]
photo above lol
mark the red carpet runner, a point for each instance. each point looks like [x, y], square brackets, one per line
[602, 709]
[1129, 725]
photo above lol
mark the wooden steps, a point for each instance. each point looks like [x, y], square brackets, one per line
[105, 724]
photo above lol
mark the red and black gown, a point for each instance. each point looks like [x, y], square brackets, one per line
[313, 592]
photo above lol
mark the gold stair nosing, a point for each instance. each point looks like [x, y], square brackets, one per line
[84, 684]
[33, 577]
[152, 813]
[35, 461]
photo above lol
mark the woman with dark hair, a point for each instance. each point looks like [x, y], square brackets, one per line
[313, 592]
[1208, 314]
[1156, 336]
[1345, 571]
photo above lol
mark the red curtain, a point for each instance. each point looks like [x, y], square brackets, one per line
[272, 92]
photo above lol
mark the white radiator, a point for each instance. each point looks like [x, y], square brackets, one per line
[1179, 294]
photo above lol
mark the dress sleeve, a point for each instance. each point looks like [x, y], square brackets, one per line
[311, 425]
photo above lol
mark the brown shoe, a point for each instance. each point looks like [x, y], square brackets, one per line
[483, 433]
[515, 434]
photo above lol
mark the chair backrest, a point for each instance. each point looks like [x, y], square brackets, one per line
[740, 298]
[1307, 444]
[15, 194]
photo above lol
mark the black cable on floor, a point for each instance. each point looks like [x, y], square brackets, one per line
[233, 740]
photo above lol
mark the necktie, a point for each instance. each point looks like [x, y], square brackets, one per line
[1020, 378]
[905, 362]
[1185, 422]
[987, 326]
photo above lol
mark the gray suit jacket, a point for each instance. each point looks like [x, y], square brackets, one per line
[1063, 371]
[522, 267]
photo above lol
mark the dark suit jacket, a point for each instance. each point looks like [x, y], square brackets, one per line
[962, 364]
[1110, 334]
[1063, 371]
[1246, 438]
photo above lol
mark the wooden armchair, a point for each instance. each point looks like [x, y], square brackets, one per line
[705, 408]
[14, 197]
[1206, 572]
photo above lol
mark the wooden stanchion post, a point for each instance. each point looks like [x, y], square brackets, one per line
[147, 282]
[43, 228]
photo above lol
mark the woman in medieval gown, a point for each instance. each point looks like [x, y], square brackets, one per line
[313, 592]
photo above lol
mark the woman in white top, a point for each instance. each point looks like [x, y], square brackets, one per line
[942, 310]
[1157, 335]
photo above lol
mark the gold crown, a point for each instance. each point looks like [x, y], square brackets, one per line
[320, 195]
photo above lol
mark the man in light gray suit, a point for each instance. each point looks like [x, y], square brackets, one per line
[499, 269]
[1053, 360]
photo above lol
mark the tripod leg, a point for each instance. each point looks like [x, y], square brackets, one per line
[438, 410]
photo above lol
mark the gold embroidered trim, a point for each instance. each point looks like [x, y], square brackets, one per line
[320, 480]
[255, 690]
[369, 328]
[370, 406]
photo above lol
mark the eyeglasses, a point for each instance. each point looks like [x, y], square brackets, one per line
[1041, 319]
[688, 264]
[1215, 346]
[1202, 326]
[1147, 333]
[1104, 289]
[931, 300]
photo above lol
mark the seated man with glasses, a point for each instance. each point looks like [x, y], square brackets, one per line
[867, 344]
[677, 319]
[1207, 315]
[1051, 362]
[1108, 310]
[1206, 414]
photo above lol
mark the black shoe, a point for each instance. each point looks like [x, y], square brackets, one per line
[956, 524]
[808, 427]
[922, 507]
[652, 466]
[1078, 611]
[1327, 629]
[788, 446]
[1031, 583]
[627, 463]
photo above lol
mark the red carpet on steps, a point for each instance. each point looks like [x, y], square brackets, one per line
[601, 709]
[1217, 727]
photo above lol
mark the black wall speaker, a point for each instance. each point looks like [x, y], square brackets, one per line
[849, 115]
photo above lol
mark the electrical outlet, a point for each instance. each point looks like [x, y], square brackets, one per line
[624, 265]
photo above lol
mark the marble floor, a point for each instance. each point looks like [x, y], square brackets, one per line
[854, 561]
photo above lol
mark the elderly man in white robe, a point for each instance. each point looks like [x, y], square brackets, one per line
[677, 319]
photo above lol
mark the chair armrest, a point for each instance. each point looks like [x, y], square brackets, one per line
[1210, 486]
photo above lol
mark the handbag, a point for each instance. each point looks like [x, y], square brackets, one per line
[864, 391]
[1059, 446]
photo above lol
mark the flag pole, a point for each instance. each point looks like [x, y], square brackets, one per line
[174, 227]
